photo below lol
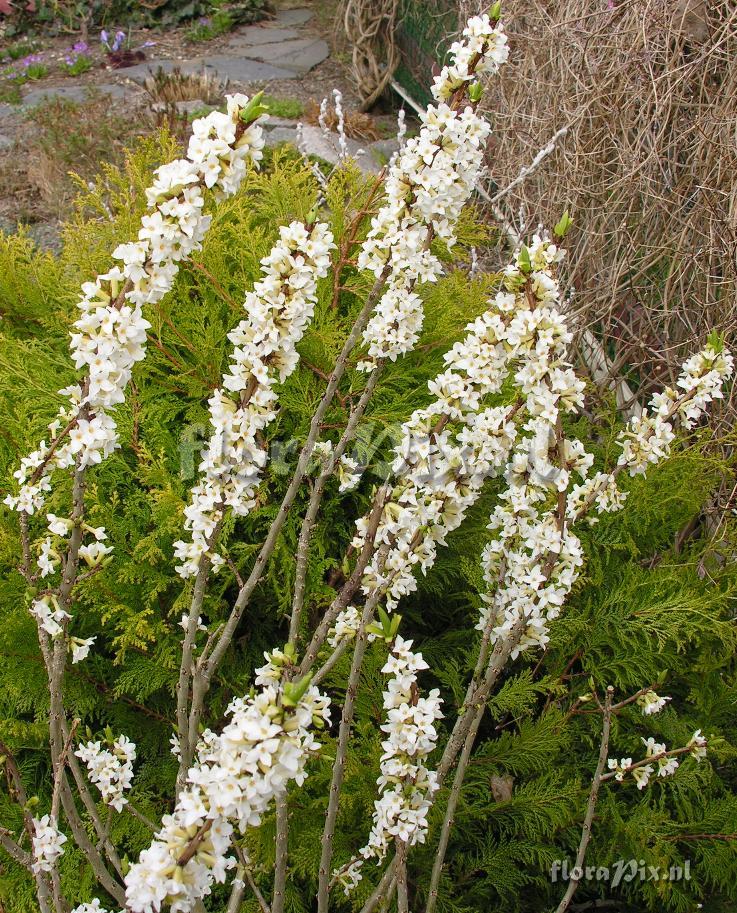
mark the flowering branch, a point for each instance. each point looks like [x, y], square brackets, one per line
[592, 800]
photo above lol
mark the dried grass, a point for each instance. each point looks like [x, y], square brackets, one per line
[357, 125]
[169, 88]
[648, 91]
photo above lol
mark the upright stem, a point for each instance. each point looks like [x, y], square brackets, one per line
[591, 805]
[350, 586]
[383, 887]
[455, 794]
[402, 893]
[188, 737]
[316, 499]
[341, 754]
[203, 674]
[282, 851]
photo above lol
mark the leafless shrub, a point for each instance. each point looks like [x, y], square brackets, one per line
[648, 91]
[169, 88]
[357, 125]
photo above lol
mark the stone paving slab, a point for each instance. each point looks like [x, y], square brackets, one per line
[239, 69]
[79, 94]
[316, 143]
[300, 54]
[292, 17]
[259, 34]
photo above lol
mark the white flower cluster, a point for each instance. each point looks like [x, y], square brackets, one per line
[535, 558]
[406, 785]
[46, 609]
[440, 477]
[264, 746]
[48, 844]
[110, 768]
[110, 333]
[278, 310]
[667, 763]
[647, 438]
[427, 185]
[93, 906]
[535, 336]
[651, 703]
[483, 50]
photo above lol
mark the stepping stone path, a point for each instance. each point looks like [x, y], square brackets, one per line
[274, 49]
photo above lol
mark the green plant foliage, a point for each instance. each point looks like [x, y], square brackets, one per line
[640, 611]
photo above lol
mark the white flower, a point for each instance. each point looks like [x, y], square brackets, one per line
[48, 844]
[651, 703]
[48, 558]
[697, 744]
[110, 768]
[278, 311]
[236, 777]
[94, 906]
[642, 775]
[81, 648]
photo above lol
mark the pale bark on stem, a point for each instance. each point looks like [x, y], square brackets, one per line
[188, 738]
[203, 674]
[453, 799]
[15, 784]
[58, 728]
[351, 585]
[383, 887]
[499, 658]
[331, 662]
[237, 891]
[60, 904]
[401, 869]
[591, 804]
[341, 754]
[83, 842]
[282, 852]
[139, 816]
[60, 765]
[58, 732]
[316, 496]
[13, 850]
[249, 877]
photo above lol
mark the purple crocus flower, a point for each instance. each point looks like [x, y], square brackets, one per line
[31, 59]
[104, 38]
[81, 47]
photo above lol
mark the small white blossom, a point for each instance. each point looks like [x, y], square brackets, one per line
[110, 768]
[651, 703]
[48, 844]
[406, 785]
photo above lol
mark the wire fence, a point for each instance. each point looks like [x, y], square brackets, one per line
[424, 33]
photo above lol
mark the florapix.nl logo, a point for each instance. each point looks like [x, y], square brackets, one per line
[623, 870]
